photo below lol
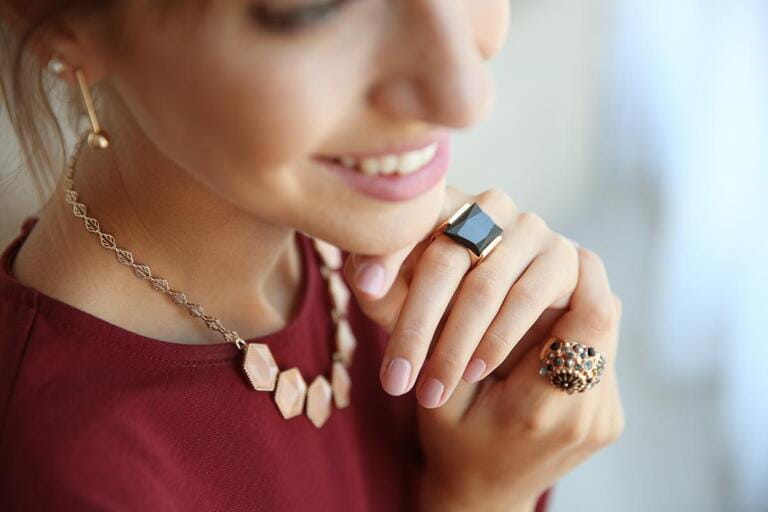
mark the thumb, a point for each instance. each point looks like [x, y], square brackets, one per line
[379, 283]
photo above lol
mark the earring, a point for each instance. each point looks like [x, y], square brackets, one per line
[56, 66]
[97, 138]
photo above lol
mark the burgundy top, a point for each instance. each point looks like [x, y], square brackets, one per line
[96, 417]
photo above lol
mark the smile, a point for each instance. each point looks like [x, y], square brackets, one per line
[393, 176]
[403, 163]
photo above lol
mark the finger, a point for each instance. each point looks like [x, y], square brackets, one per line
[551, 275]
[436, 277]
[477, 302]
[592, 320]
[380, 283]
[438, 274]
[594, 317]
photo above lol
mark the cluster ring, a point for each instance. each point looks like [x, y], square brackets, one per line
[571, 366]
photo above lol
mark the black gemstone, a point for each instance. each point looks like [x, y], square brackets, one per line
[549, 367]
[591, 352]
[555, 345]
[473, 229]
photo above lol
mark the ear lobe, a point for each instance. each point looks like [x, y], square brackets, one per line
[57, 39]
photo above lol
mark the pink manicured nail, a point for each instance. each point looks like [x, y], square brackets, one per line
[430, 392]
[474, 370]
[370, 278]
[396, 376]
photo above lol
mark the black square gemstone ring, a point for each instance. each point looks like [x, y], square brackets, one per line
[471, 227]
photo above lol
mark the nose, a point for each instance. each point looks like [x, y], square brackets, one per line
[437, 71]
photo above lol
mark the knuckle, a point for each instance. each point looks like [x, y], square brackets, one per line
[600, 438]
[482, 284]
[525, 294]
[618, 305]
[496, 346]
[601, 318]
[619, 425]
[562, 243]
[532, 221]
[591, 257]
[495, 195]
[443, 257]
[449, 362]
[534, 424]
[411, 335]
[576, 432]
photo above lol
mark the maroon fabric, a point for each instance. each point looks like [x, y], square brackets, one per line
[95, 417]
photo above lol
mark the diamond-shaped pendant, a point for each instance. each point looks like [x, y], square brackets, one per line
[330, 254]
[291, 392]
[341, 384]
[345, 341]
[260, 366]
[319, 401]
[339, 291]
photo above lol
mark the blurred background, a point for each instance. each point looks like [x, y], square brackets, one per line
[639, 128]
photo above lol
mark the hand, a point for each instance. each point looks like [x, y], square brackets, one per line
[491, 306]
[497, 445]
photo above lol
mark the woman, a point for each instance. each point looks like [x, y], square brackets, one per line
[233, 147]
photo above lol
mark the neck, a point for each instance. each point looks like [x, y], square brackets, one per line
[240, 269]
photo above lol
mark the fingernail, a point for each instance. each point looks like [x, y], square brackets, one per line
[370, 278]
[430, 392]
[474, 370]
[396, 376]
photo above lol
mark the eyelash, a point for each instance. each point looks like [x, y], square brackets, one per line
[294, 19]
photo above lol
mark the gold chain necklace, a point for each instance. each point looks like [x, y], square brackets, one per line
[290, 389]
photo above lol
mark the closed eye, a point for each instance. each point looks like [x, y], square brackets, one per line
[295, 18]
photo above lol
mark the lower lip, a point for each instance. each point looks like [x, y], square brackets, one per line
[394, 187]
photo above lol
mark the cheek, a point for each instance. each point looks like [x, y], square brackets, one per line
[247, 122]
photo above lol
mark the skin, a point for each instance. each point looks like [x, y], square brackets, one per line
[215, 120]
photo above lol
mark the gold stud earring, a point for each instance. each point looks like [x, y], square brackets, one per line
[98, 138]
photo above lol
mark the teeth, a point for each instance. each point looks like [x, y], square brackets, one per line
[404, 163]
[370, 166]
[409, 162]
[389, 164]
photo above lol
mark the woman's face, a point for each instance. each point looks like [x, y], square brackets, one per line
[245, 97]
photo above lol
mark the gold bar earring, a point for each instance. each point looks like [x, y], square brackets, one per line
[97, 138]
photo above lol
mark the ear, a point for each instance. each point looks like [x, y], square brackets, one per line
[73, 41]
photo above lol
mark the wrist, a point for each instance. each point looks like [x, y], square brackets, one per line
[437, 494]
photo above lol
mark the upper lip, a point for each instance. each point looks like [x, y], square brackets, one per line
[394, 148]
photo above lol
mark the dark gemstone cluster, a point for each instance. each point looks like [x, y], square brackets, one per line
[571, 366]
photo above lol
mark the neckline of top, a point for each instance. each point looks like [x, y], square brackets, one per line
[81, 321]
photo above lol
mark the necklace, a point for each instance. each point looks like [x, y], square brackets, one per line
[291, 393]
